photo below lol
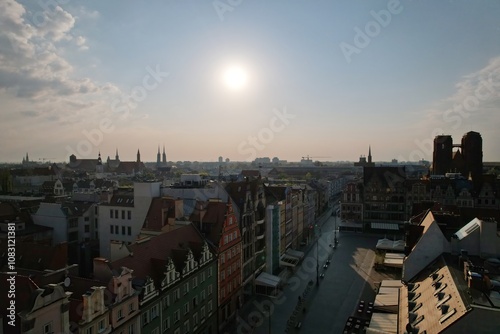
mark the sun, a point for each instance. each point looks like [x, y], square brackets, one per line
[235, 77]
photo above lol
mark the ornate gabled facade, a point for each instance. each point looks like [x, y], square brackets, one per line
[384, 195]
[176, 276]
[47, 312]
[351, 202]
[218, 222]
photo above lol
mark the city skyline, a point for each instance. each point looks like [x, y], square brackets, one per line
[247, 79]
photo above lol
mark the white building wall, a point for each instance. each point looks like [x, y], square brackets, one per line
[143, 195]
[51, 215]
[490, 242]
[432, 244]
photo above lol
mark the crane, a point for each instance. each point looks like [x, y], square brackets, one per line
[309, 158]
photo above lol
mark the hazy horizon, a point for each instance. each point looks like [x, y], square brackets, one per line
[245, 79]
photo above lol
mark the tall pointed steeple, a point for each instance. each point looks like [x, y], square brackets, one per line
[369, 154]
[164, 157]
[138, 156]
[158, 156]
[116, 156]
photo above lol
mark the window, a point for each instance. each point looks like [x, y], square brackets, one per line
[177, 316]
[194, 282]
[235, 235]
[222, 258]
[166, 324]
[123, 230]
[111, 229]
[90, 330]
[202, 295]
[222, 293]
[116, 214]
[101, 325]
[123, 214]
[222, 275]
[131, 329]
[155, 331]
[87, 228]
[154, 312]
[110, 213]
[186, 326]
[116, 229]
[129, 230]
[209, 272]
[225, 239]
[129, 214]
[145, 318]
[130, 307]
[203, 276]
[166, 302]
[230, 237]
[209, 290]
[120, 314]
[186, 308]
[209, 307]
[177, 294]
[202, 312]
[195, 302]
[195, 319]
[229, 271]
[186, 288]
[230, 220]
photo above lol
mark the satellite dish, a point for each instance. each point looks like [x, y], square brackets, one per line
[67, 281]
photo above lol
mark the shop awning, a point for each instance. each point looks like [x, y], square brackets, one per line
[385, 226]
[287, 260]
[268, 280]
[295, 253]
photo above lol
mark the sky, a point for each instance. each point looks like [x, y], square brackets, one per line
[324, 79]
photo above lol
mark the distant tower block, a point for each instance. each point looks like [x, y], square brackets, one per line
[442, 155]
[472, 151]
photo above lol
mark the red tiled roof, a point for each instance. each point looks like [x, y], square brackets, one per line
[129, 167]
[24, 291]
[39, 256]
[212, 221]
[155, 220]
[160, 248]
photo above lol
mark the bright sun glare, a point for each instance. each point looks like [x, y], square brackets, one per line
[235, 77]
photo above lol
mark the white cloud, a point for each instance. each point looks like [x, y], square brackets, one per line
[39, 89]
[474, 104]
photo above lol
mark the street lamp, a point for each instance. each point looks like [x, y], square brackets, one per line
[268, 309]
[335, 232]
[317, 258]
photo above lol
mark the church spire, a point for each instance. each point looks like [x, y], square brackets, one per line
[158, 156]
[369, 154]
[138, 156]
[116, 156]
[164, 157]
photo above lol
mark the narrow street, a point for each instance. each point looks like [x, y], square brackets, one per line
[349, 278]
